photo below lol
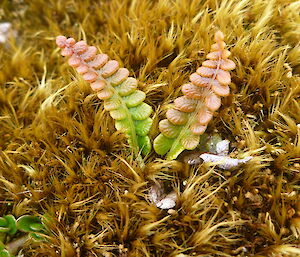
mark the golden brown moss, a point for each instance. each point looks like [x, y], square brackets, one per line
[61, 155]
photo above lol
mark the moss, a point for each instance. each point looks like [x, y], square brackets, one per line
[61, 155]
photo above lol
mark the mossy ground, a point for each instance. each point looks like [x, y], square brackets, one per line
[61, 155]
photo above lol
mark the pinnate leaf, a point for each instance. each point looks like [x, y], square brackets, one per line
[189, 117]
[112, 84]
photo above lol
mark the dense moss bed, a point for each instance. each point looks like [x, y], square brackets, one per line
[61, 156]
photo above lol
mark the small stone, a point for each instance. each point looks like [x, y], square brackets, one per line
[5, 29]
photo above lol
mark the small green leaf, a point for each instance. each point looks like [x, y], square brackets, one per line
[162, 144]
[144, 144]
[141, 111]
[8, 224]
[122, 125]
[118, 114]
[143, 126]
[175, 151]
[36, 226]
[25, 222]
[28, 223]
[134, 99]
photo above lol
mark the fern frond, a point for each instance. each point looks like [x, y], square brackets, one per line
[112, 84]
[189, 117]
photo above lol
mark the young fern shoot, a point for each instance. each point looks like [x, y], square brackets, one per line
[189, 117]
[119, 92]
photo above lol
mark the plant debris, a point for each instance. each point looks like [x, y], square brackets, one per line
[220, 158]
[162, 200]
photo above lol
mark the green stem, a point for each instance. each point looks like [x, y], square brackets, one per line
[132, 133]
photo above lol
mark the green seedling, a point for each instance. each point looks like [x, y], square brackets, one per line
[8, 224]
[32, 225]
